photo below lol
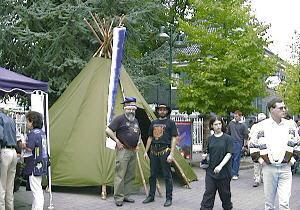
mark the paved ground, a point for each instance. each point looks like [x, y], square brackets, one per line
[244, 196]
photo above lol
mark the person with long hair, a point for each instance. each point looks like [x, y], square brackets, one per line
[218, 173]
[161, 142]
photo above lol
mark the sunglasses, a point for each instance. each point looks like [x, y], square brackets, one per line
[281, 108]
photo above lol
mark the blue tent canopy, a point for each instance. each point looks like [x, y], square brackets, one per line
[13, 82]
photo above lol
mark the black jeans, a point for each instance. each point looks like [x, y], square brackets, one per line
[166, 169]
[211, 187]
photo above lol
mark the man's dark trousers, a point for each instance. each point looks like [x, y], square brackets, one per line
[155, 161]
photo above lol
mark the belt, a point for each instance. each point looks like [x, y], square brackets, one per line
[130, 148]
[161, 152]
[278, 164]
[8, 147]
[160, 146]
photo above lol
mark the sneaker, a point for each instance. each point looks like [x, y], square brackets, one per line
[235, 178]
[255, 184]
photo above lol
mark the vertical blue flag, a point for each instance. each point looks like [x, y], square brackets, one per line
[116, 64]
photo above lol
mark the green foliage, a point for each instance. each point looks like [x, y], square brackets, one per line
[290, 88]
[48, 39]
[229, 70]
[145, 66]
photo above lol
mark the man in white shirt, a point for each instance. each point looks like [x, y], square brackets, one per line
[277, 138]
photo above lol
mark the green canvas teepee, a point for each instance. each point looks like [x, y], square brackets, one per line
[79, 156]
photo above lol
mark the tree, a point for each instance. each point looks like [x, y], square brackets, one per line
[290, 88]
[48, 39]
[228, 71]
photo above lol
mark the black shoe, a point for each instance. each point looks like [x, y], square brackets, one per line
[168, 203]
[148, 199]
[119, 203]
[255, 184]
[129, 200]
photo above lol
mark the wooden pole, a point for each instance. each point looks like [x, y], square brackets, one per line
[103, 193]
[95, 21]
[121, 20]
[100, 24]
[182, 174]
[92, 29]
[158, 188]
[142, 174]
[96, 53]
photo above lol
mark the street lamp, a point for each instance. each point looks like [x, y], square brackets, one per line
[168, 37]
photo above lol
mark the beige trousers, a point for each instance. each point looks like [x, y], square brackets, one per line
[8, 162]
[257, 172]
[124, 174]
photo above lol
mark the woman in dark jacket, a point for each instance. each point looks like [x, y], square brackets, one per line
[37, 164]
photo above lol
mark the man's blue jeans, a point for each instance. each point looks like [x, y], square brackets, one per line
[277, 179]
[236, 157]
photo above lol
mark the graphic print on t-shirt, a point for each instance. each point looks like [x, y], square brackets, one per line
[133, 127]
[158, 130]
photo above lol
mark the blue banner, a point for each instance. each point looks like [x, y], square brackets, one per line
[185, 140]
[116, 65]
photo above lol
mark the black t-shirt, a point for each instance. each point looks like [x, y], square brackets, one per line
[217, 149]
[126, 131]
[162, 131]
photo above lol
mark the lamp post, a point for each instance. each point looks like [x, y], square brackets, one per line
[164, 36]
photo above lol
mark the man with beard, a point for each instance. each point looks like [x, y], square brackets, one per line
[162, 139]
[124, 130]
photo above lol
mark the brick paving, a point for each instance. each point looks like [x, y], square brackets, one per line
[244, 196]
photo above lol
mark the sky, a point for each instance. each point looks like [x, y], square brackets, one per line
[284, 17]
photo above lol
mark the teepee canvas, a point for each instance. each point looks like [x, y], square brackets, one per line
[78, 120]
[79, 156]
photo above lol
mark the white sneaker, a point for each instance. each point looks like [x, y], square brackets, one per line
[235, 178]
